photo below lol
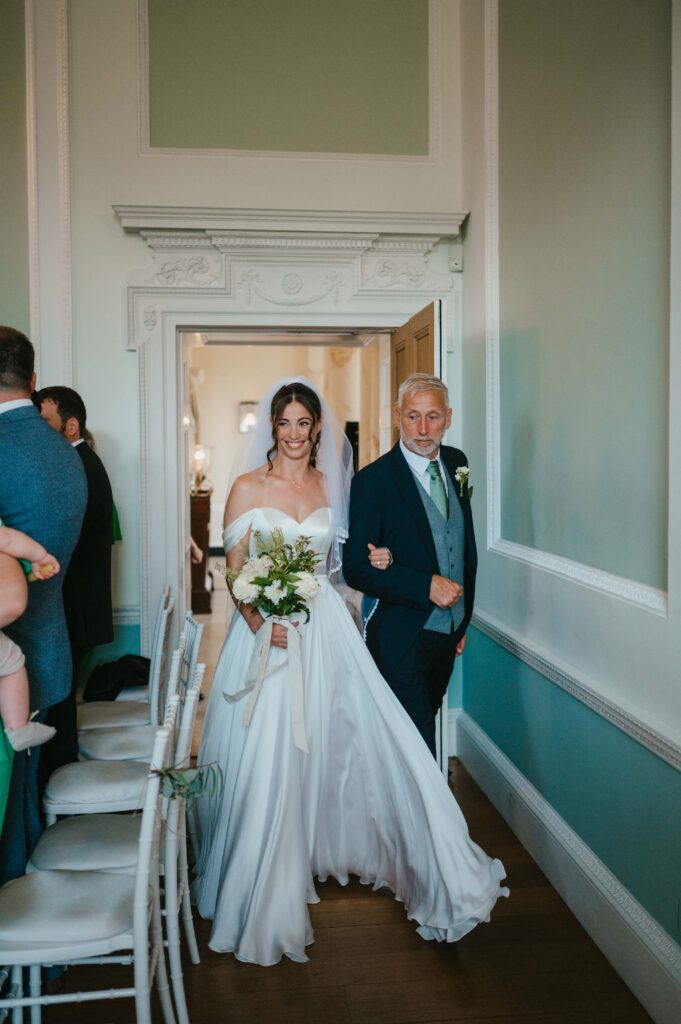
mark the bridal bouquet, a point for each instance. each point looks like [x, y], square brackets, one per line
[280, 580]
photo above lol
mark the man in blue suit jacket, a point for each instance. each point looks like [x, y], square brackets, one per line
[414, 501]
[43, 492]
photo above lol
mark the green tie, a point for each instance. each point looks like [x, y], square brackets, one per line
[437, 488]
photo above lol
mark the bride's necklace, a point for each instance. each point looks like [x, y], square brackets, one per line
[287, 480]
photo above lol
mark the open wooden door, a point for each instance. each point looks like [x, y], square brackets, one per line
[417, 347]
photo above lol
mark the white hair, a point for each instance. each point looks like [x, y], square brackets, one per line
[416, 382]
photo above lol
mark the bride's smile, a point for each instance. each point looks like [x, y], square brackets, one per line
[295, 433]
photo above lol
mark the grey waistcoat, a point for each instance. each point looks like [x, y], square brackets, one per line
[449, 538]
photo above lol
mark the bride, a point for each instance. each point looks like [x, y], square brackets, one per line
[327, 778]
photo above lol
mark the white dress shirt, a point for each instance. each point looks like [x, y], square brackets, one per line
[16, 403]
[418, 464]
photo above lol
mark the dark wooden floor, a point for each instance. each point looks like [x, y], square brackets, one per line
[532, 964]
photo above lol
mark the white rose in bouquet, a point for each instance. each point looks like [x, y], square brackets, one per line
[244, 590]
[260, 566]
[306, 585]
[274, 592]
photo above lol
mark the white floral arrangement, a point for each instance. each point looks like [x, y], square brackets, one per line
[280, 580]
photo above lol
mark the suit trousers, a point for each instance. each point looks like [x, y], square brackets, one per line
[63, 748]
[421, 678]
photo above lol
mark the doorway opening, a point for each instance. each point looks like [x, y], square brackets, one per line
[223, 374]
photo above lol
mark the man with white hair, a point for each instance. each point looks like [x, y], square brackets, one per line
[414, 500]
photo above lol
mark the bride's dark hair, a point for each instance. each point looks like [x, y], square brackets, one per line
[295, 392]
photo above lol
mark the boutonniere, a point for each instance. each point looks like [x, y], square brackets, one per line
[461, 477]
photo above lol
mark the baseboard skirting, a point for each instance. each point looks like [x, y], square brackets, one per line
[641, 952]
[453, 715]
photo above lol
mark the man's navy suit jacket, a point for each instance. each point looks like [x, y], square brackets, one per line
[43, 492]
[386, 510]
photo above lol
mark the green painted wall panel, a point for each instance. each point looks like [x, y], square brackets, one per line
[584, 272]
[622, 800]
[14, 282]
[299, 75]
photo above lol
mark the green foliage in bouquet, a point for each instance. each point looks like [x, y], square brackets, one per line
[280, 580]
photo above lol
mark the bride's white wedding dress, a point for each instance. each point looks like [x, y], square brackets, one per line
[367, 800]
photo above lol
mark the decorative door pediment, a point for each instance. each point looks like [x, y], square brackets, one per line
[253, 268]
[286, 260]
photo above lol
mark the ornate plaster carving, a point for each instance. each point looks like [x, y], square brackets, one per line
[290, 285]
[386, 273]
[193, 270]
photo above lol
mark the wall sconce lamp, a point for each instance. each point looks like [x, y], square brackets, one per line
[248, 420]
[201, 462]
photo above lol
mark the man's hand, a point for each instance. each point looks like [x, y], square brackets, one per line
[461, 646]
[445, 593]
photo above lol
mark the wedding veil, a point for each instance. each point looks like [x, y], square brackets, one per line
[334, 459]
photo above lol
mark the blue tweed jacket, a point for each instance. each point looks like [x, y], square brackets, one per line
[43, 492]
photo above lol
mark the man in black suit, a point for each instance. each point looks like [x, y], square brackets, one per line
[414, 500]
[87, 584]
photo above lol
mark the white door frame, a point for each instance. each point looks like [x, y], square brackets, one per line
[262, 269]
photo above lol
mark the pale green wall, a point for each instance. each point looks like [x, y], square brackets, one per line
[622, 800]
[299, 75]
[14, 293]
[584, 166]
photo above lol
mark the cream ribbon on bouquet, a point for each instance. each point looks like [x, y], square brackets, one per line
[257, 671]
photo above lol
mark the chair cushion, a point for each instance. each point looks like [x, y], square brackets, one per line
[133, 693]
[70, 906]
[88, 842]
[102, 714]
[89, 782]
[135, 742]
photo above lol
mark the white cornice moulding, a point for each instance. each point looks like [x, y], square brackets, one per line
[136, 219]
[543, 662]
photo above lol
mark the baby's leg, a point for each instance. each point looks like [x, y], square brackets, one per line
[19, 729]
[13, 590]
[14, 699]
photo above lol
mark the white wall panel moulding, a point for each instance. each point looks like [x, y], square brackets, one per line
[542, 661]
[435, 107]
[640, 950]
[650, 598]
[49, 200]
[136, 218]
[647, 597]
